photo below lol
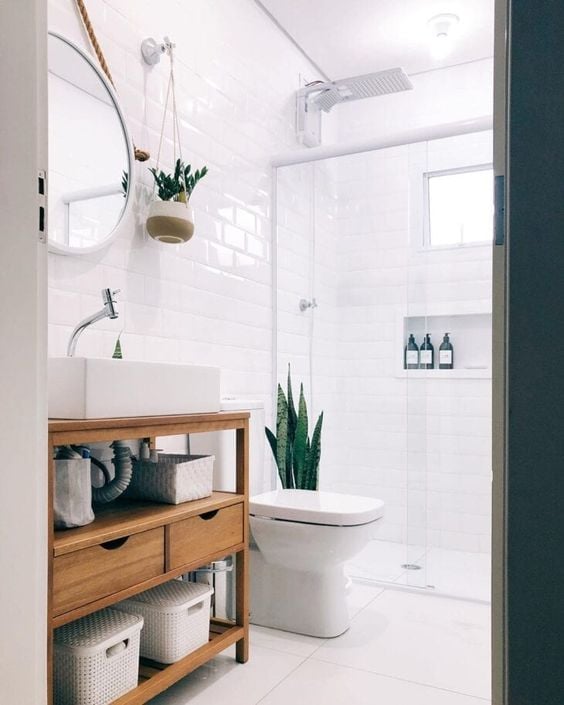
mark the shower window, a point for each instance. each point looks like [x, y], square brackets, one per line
[459, 207]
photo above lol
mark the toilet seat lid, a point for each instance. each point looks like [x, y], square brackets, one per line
[312, 507]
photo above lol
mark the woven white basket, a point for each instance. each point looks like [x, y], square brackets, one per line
[173, 480]
[96, 658]
[176, 616]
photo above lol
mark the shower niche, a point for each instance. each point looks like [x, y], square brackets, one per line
[470, 335]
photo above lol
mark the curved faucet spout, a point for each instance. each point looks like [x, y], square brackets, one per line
[109, 311]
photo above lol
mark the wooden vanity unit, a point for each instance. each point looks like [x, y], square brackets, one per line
[132, 546]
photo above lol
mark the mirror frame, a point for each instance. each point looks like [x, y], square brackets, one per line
[57, 248]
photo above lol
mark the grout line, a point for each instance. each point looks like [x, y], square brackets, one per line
[323, 642]
[290, 653]
[312, 656]
[403, 680]
[428, 592]
[381, 590]
[290, 673]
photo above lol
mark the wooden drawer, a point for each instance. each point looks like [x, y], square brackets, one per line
[199, 536]
[92, 573]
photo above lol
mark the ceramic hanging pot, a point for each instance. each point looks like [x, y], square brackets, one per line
[170, 221]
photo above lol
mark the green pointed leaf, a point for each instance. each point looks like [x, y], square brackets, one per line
[273, 444]
[300, 443]
[272, 440]
[118, 355]
[292, 416]
[282, 440]
[314, 456]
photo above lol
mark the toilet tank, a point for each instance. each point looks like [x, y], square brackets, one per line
[222, 445]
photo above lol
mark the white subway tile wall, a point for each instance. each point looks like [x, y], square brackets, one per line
[209, 301]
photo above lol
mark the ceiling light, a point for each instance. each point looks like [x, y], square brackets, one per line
[442, 27]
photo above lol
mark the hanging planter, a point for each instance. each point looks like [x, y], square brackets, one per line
[170, 221]
[170, 218]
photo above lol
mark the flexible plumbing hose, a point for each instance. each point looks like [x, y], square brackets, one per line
[123, 471]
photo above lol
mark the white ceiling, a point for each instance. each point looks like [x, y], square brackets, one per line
[350, 37]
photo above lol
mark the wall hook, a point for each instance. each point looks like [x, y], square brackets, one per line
[152, 50]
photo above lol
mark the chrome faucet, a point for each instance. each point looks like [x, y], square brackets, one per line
[109, 311]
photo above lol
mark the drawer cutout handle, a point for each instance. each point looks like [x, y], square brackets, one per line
[118, 648]
[116, 543]
[209, 515]
[195, 608]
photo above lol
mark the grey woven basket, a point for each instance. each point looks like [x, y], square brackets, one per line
[173, 480]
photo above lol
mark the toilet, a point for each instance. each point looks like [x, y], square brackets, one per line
[301, 540]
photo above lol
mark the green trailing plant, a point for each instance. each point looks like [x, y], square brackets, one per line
[297, 456]
[179, 185]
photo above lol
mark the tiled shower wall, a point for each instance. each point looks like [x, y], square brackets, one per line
[308, 268]
[421, 445]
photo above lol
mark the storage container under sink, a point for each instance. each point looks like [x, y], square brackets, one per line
[96, 658]
[91, 388]
[176, 619]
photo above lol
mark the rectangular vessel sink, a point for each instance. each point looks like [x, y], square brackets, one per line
[91, 388]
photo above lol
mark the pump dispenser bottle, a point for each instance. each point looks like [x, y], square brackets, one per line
[427, 354]
[411, 357]
[446, 354]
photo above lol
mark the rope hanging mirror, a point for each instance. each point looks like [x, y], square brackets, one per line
[141, 155]
[170, 218]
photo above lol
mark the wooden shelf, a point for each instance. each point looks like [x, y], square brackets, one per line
[125, 518]
[156, 677]
[66, 431]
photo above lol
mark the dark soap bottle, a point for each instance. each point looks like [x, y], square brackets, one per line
[446, 354]
[427, 354]
[411, 357]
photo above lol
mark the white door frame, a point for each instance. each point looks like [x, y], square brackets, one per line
[23, 355]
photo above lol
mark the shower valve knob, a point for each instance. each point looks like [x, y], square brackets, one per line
[305, 304]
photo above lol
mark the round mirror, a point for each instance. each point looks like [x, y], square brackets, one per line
[90, 153]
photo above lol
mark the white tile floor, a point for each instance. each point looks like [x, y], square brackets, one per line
[402, 649]
[449, 572]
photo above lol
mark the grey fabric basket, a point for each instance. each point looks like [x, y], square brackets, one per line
[72, 505]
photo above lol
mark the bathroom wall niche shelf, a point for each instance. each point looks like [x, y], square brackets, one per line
[456, 373]
[133, 546]
[469, 326]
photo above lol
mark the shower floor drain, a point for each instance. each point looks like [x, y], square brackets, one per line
[410, 566]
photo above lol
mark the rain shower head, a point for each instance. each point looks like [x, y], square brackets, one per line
[318, 96]
[370, 85]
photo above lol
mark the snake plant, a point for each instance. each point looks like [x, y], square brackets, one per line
[296, 455]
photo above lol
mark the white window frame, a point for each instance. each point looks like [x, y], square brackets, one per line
[427, 176]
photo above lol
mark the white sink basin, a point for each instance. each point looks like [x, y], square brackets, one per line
[91, 388]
